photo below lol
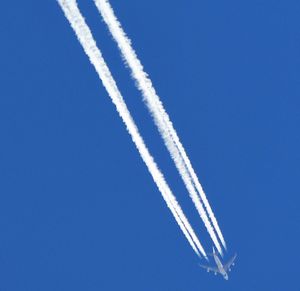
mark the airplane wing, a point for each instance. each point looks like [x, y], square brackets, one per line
[210, 269]
[230, 263]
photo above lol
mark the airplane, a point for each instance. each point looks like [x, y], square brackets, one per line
[221, 269]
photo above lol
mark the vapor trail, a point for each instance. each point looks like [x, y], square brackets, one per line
[162, 121]
[88, 43]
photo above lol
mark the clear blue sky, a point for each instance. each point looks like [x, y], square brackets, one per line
[78, 208]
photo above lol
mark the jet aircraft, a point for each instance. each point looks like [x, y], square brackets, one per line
[220, 268]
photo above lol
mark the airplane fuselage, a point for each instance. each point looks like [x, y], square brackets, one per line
[220, 267]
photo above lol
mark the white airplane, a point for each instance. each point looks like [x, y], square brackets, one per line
[221, 269]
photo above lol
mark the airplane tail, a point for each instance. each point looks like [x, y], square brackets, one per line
[213, 253]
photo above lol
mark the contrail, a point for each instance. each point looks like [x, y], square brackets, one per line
[88, 43]
[161, 120]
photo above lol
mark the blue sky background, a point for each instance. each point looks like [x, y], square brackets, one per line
[78, 208]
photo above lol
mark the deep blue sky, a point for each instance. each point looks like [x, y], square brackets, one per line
[78, 208]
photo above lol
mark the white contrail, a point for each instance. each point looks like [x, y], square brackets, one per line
[88, 43]
[161, 120]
